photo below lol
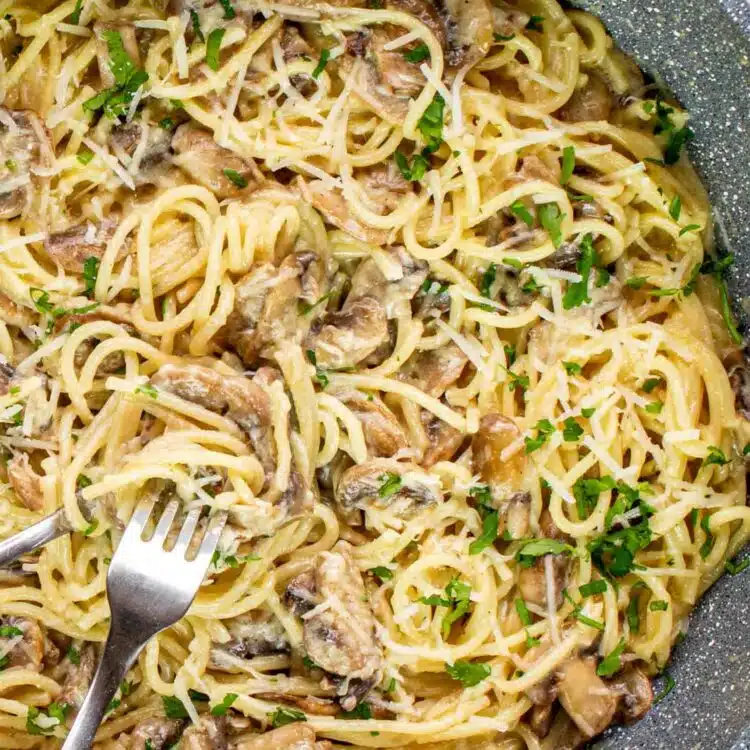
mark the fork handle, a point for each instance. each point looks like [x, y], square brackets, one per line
[33, 537]
[120, 653]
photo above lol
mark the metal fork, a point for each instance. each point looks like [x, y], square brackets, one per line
[149, 589]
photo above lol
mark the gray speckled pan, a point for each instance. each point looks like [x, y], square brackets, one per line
[701, 50]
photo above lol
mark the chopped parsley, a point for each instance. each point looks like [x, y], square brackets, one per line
[550, 218]
[457, 600]
[577, 614]
[718, 267]
[84, 156]
[221, 708]
[213, 47]
[56, 711]
[167, 123]
[235, 178]
[391, 484]
[418, 54]
[320, 375]
[90, 274]
[91, 528]
[147, 390]
[414, 172]
[468, 673]
[74, 656]
[487, 280]
[650, 383]
[10, 631]
[612, 662]
[502, 37]
[510, 355]
[488, 535]
[283, 716]
[715, 456]
[535, 548]
[568, 164]
[544, 428]
[572, 431]
[195, 22]
[613, 553]
[383, 573]
[325, 56]
[305, 308]
[599, 586]
[513, 263]
[535, 23]
[636, 282]
[733, 568]
[587, 491]
[675, 207]
[578, 292]
[572, 368]
[430, 124]
[75, 16]
[659, 605]
[518, 209]
[669, 684]
[676, 138]
[588, 412]
[173, 707]
[655, 407]
[361, 711]
[128, 79]
[708, 544]
[690, 228]
[517, 381]
[633, 615]
[229, 13]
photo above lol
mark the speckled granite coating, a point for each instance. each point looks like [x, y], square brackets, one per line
[701, 50]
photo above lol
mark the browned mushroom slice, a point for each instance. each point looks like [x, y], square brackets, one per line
[332, 205]
[444, 440]
[468, 26]
[26, 483]
[590, 102]
[585, 696]
[71, 247]
[425, 11]
[29, 643]
[14, 314]
[540, 720]
[532, 581]
[238, 398]
[503, 477]
[635, 691]
[78, 679]
[157, 733]
[296, 736]
[129, 42]
[340, 639]
[408, 276]
[154, 156]
[434, 370]
[343, 339]
[209, 734]
[739, 379]
[24, 146]
[7, 374]
[383, 433]
[257, 633]
[566, 256]
[220, 170]
[404, 487]
[384, 184]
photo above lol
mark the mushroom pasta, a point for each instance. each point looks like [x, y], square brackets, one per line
[424, 294]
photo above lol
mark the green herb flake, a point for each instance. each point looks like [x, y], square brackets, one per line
[708, 544]
[90, 274]
[612, 662]
[535, 23]
[650, 383]
[75, 16]
[572, 368]
[599, 586]
[390, 484]
[535, 548]
[325, 56]
[166, 123]
[636, 282]
[383, 573]
[222, 708]
[675, 207]
[517, 381]
[361, 711]
[84, 156]
[669, 684]
[588, 412]
[147, 390]
[715, 456]
[502, 37]
[658, 605]
[572, 431]
[229, 13]
[513, 263]
[578, 615]
[568, 164]
[213, 48]
[457, 600]
[551, 219]
[733, 568]
[577, 293]
[418, 54]
[283, 716]
[654, 407]
[195, 22]
[10, 631]
[488, 535]
[468, 673]
[544, 429]
[173, 707]
[235, 178]
[518, 209]
[430, 124]
[91, 528]
[414, 172]
[690, 228]
[587, 491]
[74, 656]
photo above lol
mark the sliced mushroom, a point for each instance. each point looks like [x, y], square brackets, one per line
[635, 691]
[503, 477]
[257, 633]
[154, 155]
[739, 379]
[211, 165]
[155, 734]
[238, 398]
[585, 696]
[444, 440]
[78, 679]
[15, 315]
[26, 483]
[25, 146]
[532, 581]
[433, 301]
[384, 185]
[403, 487]
[566, 256]
[266, 314]
[383, 433]
[296, 736]
[343, 339]
[30, 646]
[333, 206]
[544, 692]
[7, 373]
[307, 703]
[406, 276]
[468, 26]
[540, 720]
[590, 102]
[209, 734]
[71, 247]
[434, 370]
[340, 638]
[129, 42]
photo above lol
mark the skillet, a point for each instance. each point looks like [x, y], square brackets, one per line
[700, 50]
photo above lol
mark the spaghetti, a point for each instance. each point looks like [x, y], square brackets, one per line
[425, 296]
